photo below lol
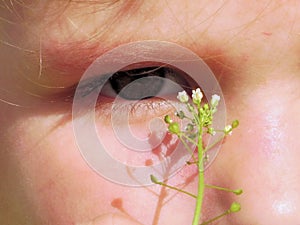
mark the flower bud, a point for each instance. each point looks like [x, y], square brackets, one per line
[205, 107]
[189, 127]
[228, 129]
[214, 100]
[154, 179]
[168, 119]
[180, 114]
[235, 124]
[238, 191]
[211, 131]
[235, 207]
[174, 128]
[197, 96]
[183, 97]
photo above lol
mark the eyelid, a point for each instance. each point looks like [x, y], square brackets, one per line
[138, 111]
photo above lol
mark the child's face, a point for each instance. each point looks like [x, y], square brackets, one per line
[252, 48]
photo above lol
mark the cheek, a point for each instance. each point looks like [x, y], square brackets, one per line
[64, 189]
[57, 179]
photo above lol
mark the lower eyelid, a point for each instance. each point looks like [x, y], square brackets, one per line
[138, 111]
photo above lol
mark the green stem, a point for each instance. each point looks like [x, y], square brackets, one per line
[237, 191]
[187, 147]
[191, 119]
[189, 139]
[213, 144]
[216, 218]
[201, 185]
[176, 189]
[190, 163]
[218, 188]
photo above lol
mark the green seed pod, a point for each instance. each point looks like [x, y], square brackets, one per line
[206, 107]
[238, 191]
[189, 127]
[168, 119]
[235, 124]
[235, 207]
[192, 136]
[180, 114]
[154, 179]
[211, 130]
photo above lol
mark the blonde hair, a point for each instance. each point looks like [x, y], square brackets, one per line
[23, 24]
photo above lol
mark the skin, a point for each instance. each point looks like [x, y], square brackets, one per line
[252, 48]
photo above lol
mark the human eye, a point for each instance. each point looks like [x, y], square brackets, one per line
[146, 82]
[144, 89]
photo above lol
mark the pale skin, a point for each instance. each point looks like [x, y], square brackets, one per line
[253, 49]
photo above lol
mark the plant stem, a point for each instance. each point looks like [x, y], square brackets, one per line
[176, 189]
[187, 147]
[216, 218]
[189, 139]
[201, 185]
[219, 188]
[213, 144]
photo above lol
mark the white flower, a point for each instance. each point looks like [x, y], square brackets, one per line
[214, 100]
[228, 129]
[197, 96]
[183, 97]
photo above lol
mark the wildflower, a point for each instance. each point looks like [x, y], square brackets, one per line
[228, 129]
[183, 97]
[200, 122]
[197, 96]
[214, 100]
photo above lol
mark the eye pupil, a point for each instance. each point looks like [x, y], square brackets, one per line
[138, 84]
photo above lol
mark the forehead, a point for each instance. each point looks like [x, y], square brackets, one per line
[92, 27]
[154, 18]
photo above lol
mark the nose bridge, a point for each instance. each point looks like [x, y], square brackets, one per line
[270, 113]
[269, 146]
[271, 125]
[268, 110]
